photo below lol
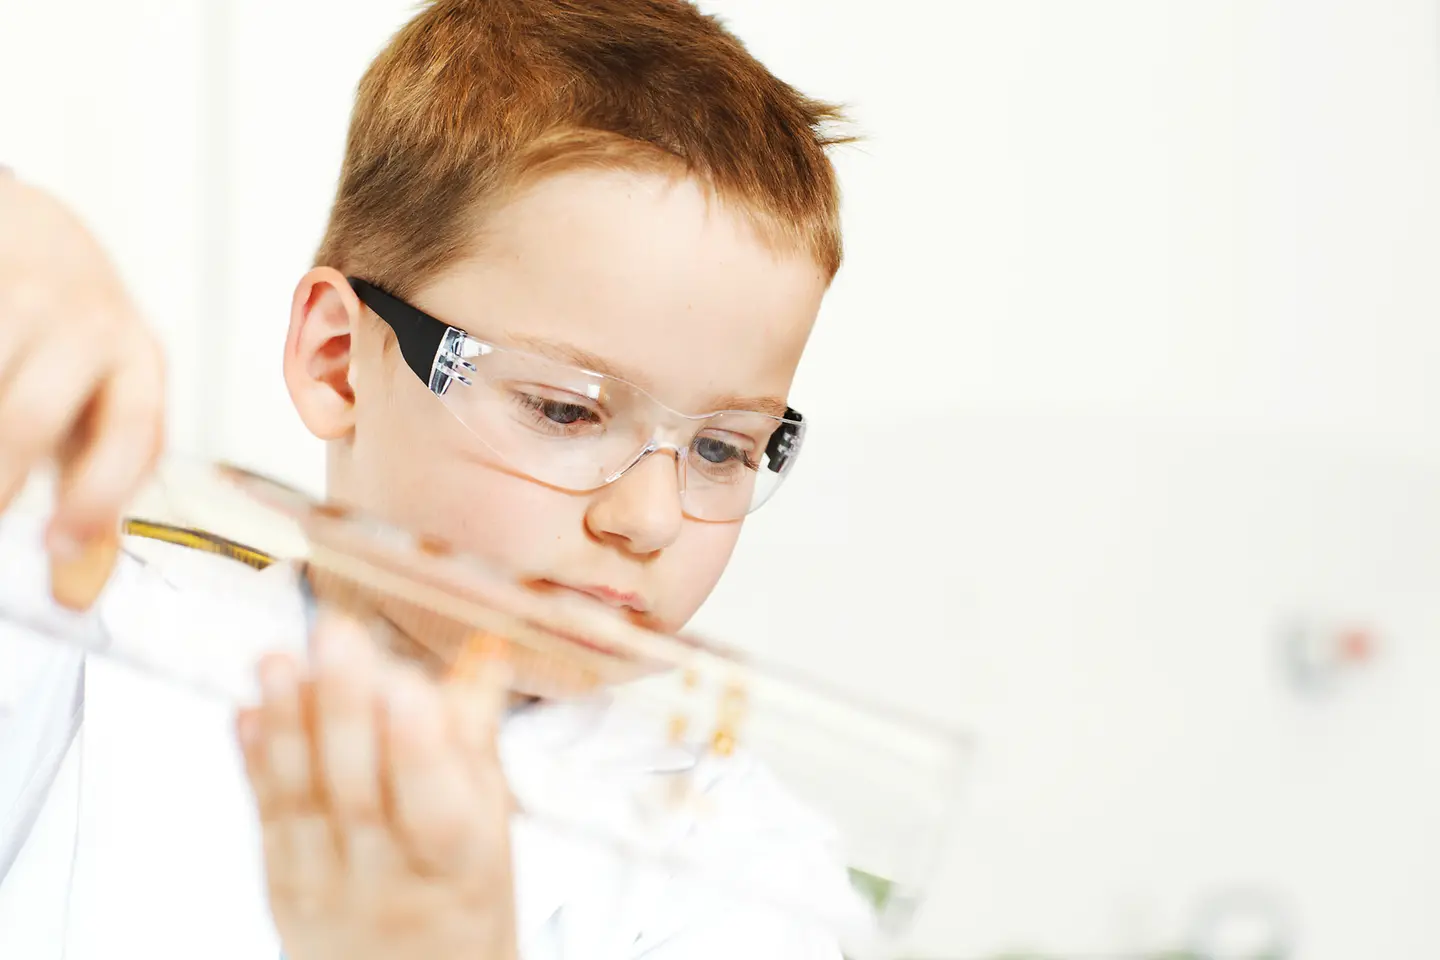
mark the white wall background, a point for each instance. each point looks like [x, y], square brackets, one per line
[1131, 361]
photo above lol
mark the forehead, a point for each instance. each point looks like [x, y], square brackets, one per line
[648, 275]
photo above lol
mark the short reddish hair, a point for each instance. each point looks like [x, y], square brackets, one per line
[474, 98]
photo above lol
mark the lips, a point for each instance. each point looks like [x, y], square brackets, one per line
[609, 596]
[632, 606]
[631, 602]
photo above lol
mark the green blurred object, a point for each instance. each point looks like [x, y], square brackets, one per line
[877, 890]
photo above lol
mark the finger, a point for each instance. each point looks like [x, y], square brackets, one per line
[114, 448]
[477, 692]
[291, 784]
[76, 580]
[430, 792]
[250, 733]
[301, 852]
[345, 696]
[349, 726]
[40, 403]
[23, 305]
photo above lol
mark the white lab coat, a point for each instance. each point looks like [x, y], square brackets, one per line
[146, 844]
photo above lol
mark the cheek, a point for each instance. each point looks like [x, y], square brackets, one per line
[518, 525]
[415, 468]
[691, 568]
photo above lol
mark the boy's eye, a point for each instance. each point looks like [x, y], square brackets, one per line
[561, 412]
[565, 412]
[717, 451]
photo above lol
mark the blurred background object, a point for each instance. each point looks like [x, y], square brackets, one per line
[1130, 371]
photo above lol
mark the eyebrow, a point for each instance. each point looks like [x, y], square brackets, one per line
[576, 357]
[772, 406]
[566, 353]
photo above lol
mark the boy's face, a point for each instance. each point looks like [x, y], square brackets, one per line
[665, 286]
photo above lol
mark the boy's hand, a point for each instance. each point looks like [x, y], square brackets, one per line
[81, 379]
[384, 808]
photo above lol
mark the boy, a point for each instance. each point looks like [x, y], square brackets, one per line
[575, 255]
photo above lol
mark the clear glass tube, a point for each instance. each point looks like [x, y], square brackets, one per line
[871, 788]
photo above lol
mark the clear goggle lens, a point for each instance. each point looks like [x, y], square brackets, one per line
[579, 431]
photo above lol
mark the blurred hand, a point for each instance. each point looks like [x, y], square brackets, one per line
[81, 382]
[384, 809]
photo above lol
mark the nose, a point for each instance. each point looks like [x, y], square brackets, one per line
[641, 512]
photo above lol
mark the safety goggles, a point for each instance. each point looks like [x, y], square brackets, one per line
[578, 430]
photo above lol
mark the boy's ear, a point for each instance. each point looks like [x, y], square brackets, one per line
[320, 351]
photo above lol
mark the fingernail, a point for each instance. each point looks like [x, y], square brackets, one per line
[492, 648]
[249, 725]
[277, 680]
[332, 647]
[480, 651]
[64, 546]
[77, 579]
